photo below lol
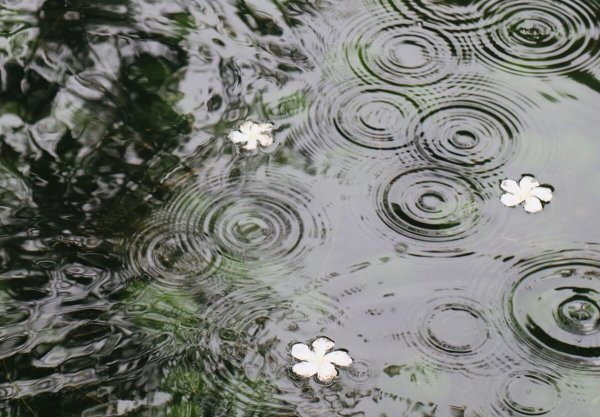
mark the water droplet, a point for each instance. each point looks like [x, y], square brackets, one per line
[579, 315]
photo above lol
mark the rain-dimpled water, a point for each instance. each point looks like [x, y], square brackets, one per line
[300, 208]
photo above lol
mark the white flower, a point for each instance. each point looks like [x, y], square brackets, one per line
[528, 190]
[318, 361]
[252, 134]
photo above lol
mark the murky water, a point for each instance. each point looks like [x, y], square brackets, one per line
[148, 267]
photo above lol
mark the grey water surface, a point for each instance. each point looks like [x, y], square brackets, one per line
[149, 267]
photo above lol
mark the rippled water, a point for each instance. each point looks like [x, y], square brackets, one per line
[150, 268]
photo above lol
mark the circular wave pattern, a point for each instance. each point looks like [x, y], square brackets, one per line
[242, 349]
[539, 37]
[451, 15]
[556, 305]
[530, 393]
[456, 329]
[437, 209]
[373, 118]
[475, 127]
[399, 53]
[240, 373]
[455, 334]
[263, 220]
[172, 254]
[350, 121]
[361, 371]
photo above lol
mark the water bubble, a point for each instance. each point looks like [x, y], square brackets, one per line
[579, 315]
[463, 139]
[400, 248]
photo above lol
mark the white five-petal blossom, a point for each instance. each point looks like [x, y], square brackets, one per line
[252, 134]
[528, 190]
[317, 361]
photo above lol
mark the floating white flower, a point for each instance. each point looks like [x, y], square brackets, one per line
[252, 134]
[318, 361]
[528, 190]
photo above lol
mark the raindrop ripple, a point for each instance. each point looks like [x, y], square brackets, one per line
[434, 211]
[450, 16]
[530, 393]
[263, 220]
[456, 334]
[539, 37]
[475, 125]
[399, 52]
[555, 307]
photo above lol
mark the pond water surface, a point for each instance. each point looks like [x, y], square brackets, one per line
[150, 267]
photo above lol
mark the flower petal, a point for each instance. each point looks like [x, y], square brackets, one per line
[265, 140]
[543, 193]
[322, 345]
[237, 137]
[246, 127]
[326, 372]
[510, 186]
[303, 352]
[251, 144]
[527, 183]
[265, 127]
[255, 129]
[339, 357]
[532, 205]
[510, 200]
[305, 369]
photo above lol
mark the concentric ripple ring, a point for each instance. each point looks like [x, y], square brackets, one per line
[450, 16]
[556, 305]
[263, 220]
[401, 53]
[455, 333]
[539, 37]
[350, 121]
[530, 393]
[171, 254]
[475, 125]
[433, 211]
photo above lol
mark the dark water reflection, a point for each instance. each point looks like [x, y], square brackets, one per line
[149, 268]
